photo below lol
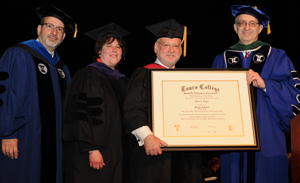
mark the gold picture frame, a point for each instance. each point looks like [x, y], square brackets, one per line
[202, 109]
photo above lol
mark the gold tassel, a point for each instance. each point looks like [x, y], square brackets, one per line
[184, 40]
[269, 28]
[75, 33]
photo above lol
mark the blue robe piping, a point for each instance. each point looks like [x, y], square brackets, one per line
[274, 112]
[20, 114]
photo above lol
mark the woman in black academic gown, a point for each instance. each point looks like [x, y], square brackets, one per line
[92, 126]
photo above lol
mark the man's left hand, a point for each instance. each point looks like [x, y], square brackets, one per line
[10, 148]
[152, 145]
[255, 79]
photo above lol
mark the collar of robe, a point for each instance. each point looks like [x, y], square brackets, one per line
[239, 46]
[38, 47]
[107, 70]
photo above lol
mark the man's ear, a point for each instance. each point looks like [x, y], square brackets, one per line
[39, 28]
[156, 47]
[235, 28]
[261, 27]
[63, 37]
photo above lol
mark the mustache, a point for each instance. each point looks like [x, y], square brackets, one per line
[53, 36]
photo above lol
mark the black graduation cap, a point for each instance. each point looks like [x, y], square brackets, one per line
[49, 10]
[111, 28]
[253, 11]
[170, 29]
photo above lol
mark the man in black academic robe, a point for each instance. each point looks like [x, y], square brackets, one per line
[149, 164]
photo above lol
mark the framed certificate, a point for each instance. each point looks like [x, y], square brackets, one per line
[202, 109]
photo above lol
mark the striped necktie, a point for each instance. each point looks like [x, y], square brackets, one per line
[247, 54]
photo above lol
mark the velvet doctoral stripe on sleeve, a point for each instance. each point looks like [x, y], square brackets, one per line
[282, 84]
[275, 108]
[84, 109]
[31, 112]
[14, 69]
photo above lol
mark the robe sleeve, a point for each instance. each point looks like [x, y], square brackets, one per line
[15, 68]
[135, 108]
[84, 116]
[281, 81]
[219, 62]
[281, 87]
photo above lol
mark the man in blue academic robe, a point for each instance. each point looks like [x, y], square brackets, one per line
[276, 95]
[33, 81]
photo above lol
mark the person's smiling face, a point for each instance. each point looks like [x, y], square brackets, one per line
[247, 28]
[51, 38]
[111, 53]
[168, 51]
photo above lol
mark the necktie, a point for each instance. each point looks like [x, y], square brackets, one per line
[247, 55]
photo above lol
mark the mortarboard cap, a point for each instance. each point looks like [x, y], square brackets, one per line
[51, 11]
[112, 28]
[253, 11]
[170, 29]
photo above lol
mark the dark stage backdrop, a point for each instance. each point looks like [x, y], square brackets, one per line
[210, 22]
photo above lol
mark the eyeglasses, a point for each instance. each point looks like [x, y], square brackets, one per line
[167, 45]
[243, 24]
[51, 27]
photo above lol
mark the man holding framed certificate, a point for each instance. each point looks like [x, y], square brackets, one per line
[276, 96]
[149, 164]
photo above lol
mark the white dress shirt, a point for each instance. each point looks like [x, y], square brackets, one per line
[142, 132]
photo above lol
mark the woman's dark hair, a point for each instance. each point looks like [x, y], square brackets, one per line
[109, 38]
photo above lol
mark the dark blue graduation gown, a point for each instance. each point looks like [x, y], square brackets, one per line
[32, 100]
[274, 113]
